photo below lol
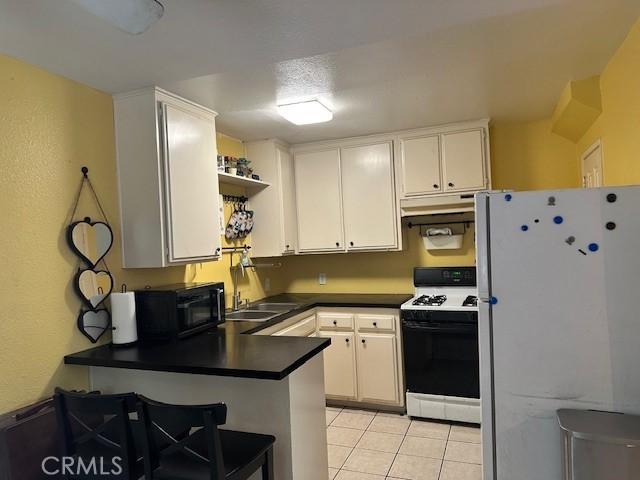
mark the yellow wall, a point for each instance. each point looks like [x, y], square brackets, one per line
[619, 123]
[49, 128]
[390, 272]
[229, 146]
[528, 156]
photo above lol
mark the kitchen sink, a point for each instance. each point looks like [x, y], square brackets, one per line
[251, 315]
[275, 307]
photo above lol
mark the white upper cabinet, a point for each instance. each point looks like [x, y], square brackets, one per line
[275, 230]
[191, 185]
[463, 160]
[167, 178]
[443, 160]
[420, 165]
[319, 201]
[368, 195]
[285, 160]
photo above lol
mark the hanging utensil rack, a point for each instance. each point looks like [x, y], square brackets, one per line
[236, 249]
[234, 199]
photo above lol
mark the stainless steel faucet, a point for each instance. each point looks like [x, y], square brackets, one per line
[237, 297]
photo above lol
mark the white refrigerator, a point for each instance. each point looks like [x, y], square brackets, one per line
[559, 319]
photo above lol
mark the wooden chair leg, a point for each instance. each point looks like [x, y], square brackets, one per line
[267, 466]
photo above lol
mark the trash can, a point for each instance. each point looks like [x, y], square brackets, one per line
[600, 445]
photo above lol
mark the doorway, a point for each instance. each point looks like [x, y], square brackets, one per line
[591, 162]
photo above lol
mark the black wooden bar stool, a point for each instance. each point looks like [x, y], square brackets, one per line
[207, 453]
[96, 436]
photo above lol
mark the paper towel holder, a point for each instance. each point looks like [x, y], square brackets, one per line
[123, 324]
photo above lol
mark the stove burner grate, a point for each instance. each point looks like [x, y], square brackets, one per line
[431, 300]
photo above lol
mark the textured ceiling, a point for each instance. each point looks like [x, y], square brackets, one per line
[379, 64]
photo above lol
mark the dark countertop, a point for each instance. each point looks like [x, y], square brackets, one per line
[210, 353]
[231, 350]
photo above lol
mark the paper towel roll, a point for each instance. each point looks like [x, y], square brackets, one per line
[123, 318]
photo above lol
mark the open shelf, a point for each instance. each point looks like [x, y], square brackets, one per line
[229, 179]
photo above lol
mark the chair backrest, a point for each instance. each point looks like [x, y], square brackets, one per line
[96, 426]
[200, 442]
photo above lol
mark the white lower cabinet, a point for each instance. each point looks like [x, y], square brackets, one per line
[340, 365]
[364, 362]
[377, 367]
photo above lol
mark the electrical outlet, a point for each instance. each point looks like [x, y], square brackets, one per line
[267, 284]
[322, 279]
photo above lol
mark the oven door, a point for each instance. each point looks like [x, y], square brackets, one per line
[441, 357]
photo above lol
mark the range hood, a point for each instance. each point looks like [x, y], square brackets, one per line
[437, 204]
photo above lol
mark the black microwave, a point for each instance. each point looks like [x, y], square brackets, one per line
[176, 311]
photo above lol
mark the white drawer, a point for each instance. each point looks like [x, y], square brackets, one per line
[383, 323]
[333, 321]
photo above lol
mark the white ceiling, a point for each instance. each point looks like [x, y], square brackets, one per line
[379, 64]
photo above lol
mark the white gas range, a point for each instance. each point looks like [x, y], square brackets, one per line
[440, 345]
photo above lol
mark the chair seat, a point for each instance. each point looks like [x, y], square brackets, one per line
[239, 449]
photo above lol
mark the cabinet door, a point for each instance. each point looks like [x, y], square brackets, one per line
[191, 185]
[317, 181]
[368, 197]
[340, 365]
[463, 160]
[377, 367]
[288, 186]
[420, 165]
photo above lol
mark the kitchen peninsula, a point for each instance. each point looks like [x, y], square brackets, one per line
[271, 385]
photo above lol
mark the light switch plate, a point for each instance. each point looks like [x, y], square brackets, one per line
[322, 278]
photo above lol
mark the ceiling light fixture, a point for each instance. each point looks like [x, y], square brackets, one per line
[131, 16]
[305, 113]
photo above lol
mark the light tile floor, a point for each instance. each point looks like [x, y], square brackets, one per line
[369, 445]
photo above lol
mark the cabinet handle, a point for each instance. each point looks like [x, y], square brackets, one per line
[375, 324]
[287, 246]
[346, 340]
[335, 322]
[218, 250]
[364, 341]
[337, 244]
[351, 243]
[435, 185]
[451, 184]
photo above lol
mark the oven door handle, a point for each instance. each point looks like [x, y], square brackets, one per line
[440, 328]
